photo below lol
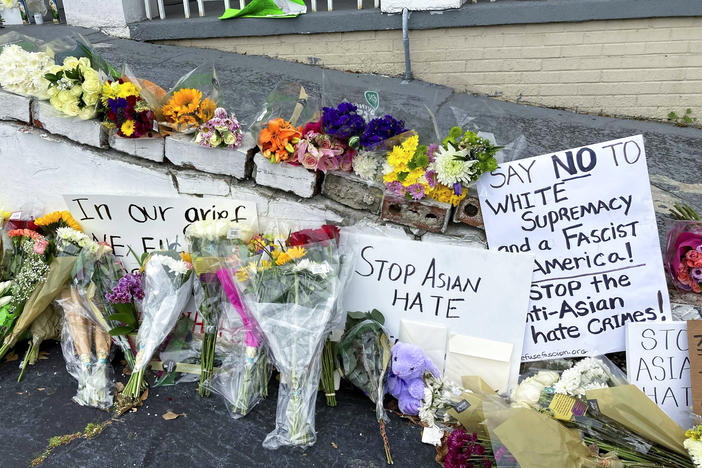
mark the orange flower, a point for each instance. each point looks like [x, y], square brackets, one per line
[278, 139]
[206, 111]
[26, 233]
[186, 108]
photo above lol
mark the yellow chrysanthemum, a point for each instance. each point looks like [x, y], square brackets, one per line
[282, 259]
[275, 253]
[127, 128]
[127, 89]
[296, 252]
[109, 91]
[242, 274]
[186, 257]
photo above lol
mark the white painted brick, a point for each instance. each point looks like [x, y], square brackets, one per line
[87, 132]
[289, 209]
[197, 183]
[396, 6]
[147, 148]
[14, 107]
[295, 179]
[182, 151]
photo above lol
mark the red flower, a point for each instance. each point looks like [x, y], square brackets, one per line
[312, 127]
[312, 236]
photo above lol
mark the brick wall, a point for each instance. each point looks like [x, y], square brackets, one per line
[638, 68]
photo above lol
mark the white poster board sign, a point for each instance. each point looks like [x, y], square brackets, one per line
[587, 216]
[657, 362]
[152, 223]
[476, 296]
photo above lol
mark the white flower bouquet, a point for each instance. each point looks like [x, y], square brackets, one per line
[167, 289]
[22, 72]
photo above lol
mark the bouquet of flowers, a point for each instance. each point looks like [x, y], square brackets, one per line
[365, 354]
[245, 383]
[125, 110]
[190, 103]
[321, 151]
[208, 240]
[683, 256]
[221, 130]
[110, 294]
[167, 289]
[277, 140]
[22, 72]
[290, 290]
[440, 172]
[32, 272]
[74, 87]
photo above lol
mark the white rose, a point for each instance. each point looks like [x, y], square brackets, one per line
[52, 92]
[229, 138]
[215, 140]
[55, 102]
[90, 99]
[91, 84]
[70, 62]
[71, 108]
[76, 91]
[87, 113]
[65, 96]
[84, 62]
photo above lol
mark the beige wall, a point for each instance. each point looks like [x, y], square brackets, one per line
[640, 68]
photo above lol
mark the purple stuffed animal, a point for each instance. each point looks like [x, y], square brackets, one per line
[405, 377]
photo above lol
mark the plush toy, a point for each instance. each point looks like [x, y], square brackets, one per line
[405, 377]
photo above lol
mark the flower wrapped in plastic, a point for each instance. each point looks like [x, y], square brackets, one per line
[683, 253]
[167, 290]
[291, 292]
[22, 71]
[208, 240]
[125, 110]
[190, 103]
[222, 130]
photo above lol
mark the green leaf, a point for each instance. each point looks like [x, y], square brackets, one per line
[401, 176]
[672, 116]
[124, 317]
[377, 316]
[120, 331]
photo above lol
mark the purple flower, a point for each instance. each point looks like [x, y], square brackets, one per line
[458, 188]
[430, 151]
[416, 191]
[699, 248]
[396, 187]
[381, 129]
[128, 289]
[461, 447]
[343, 121]
[696, 274]
[220, 113]
[430, 175]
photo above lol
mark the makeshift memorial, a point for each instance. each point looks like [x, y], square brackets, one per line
[222, 130]
[74, 87]
[209, 240]
[596, 251]
[405, 379]
[365, 352]
[290, 290]
[124, 110]
[683, 255]
[22, 71]
[167, 289]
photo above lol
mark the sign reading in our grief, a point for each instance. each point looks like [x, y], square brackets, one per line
[587, 216]
[472, 292]
[150, 223]
[657, 362]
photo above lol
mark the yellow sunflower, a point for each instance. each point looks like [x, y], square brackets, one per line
[184, 101]
[60, 218]
[282, 259]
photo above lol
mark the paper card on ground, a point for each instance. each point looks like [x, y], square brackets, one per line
[587, 216]
[657, 362]
[473, 292]
[430, 338]
[147, 223]
[489, 359]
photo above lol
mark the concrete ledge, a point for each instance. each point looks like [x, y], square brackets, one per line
[87, 132]
[183, 152]
[286, 177]
[14, 107]
[480, 14]
[352, 191]
[147, 148]
[197, 183]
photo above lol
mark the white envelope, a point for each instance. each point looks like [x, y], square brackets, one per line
[429, 337]
[488, 359]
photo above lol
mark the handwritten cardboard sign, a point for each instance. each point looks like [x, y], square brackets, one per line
[150, 223]
[478, 294]
[694, 339]
[587, 216]
[657, 362]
